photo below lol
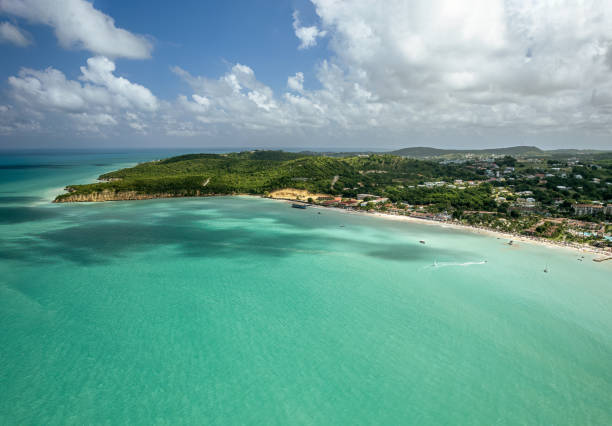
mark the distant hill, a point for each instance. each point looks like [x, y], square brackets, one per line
[420, 152]
[427, 152]
[566, 152]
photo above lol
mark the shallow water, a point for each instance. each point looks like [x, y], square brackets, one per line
[243, 310]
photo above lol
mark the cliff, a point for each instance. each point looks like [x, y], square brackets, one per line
[295, 194]
[114, 196]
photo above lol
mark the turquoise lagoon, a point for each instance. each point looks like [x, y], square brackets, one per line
[240, 310]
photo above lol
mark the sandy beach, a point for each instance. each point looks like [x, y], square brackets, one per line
[582, 248]
[494, 233]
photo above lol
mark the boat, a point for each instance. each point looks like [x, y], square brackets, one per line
[298, 206]
[546, 269]
[422, 241]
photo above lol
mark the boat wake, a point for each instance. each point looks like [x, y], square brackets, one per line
[437, 264]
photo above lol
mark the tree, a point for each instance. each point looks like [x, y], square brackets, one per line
[507, 161]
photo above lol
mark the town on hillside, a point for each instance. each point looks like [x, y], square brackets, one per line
[564, 198]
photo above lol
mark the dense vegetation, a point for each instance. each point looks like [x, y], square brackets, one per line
[257, 172]
[446, 199]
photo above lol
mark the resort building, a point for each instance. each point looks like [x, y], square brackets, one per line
[587, 209]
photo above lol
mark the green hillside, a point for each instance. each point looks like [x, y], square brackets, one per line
[257, 172]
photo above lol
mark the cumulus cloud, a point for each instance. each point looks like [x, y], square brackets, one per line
[296, 82]
[307, 35]
[77, 24]
[10, 33]
[98, 99]
[99, 70]
[437, 69]
[49, 89]
[511, 60]
[236, 98]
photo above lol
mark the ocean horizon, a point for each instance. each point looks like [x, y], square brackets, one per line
[242, 310]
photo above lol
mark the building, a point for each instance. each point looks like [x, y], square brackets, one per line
[526, 201]
[377, 200]
[587, 209]
[364, 196]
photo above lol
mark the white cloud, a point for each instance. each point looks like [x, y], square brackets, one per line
[201, 100]
[435, 67]
[92, 122]
[98, 100]
[99, 70]
[236, 98]
[77, 24]
[307, 35]
[475, 63]
[296, 82]
[10, 33]
[49, 89]
[399, 70]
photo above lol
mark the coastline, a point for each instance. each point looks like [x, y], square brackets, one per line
[582, 248]
[133, 196]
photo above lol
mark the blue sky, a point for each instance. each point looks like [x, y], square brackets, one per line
[300, 73]
[202, 37]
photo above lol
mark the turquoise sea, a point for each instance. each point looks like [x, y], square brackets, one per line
[239, 310]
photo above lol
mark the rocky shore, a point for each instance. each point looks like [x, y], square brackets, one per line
[101, 196]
